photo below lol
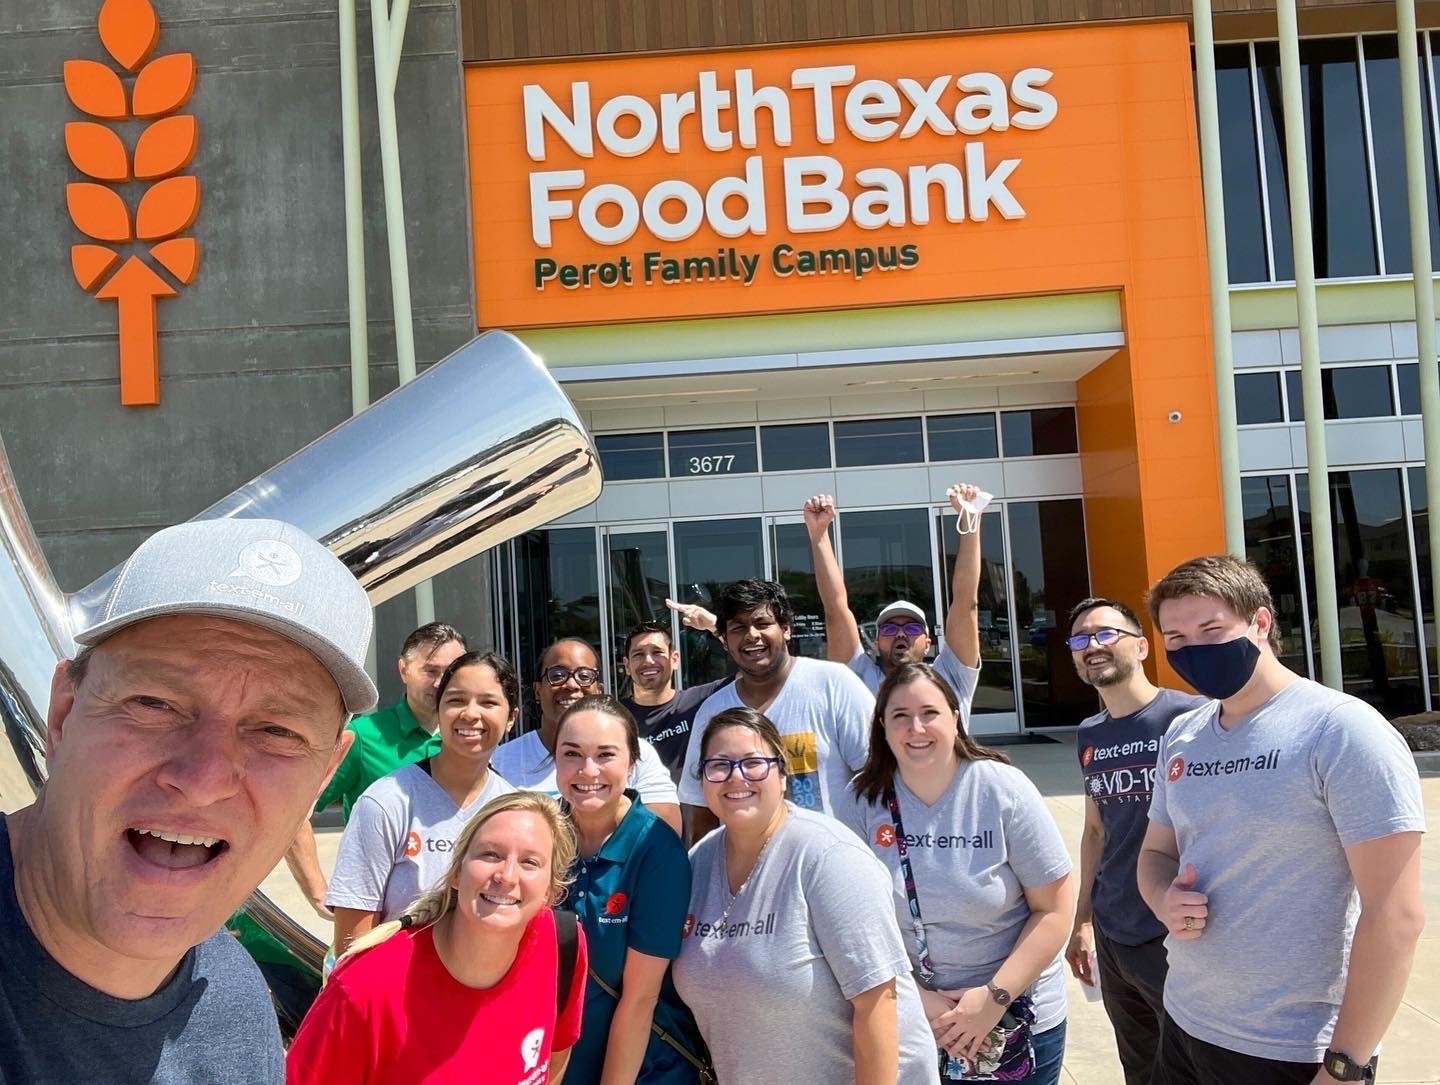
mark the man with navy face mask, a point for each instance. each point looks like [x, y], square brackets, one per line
[1283, 853]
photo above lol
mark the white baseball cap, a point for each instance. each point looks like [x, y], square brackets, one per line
[900, 606]
[265, 572]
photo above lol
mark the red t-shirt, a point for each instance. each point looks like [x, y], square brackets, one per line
[395, 1015]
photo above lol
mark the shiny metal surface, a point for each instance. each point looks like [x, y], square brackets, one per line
[479, 448]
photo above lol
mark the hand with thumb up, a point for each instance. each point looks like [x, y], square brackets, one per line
[1185, 909]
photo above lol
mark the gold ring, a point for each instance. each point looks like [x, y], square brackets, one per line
[1189, 922]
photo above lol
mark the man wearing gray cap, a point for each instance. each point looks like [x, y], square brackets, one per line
[902, 628]
[186, 742]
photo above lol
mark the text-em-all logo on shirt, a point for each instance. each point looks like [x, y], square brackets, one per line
[689, 928]
[885, 836]
[615, 909]
[1086, 756]
[530, 1047]
[412, 845]
[1176, 769]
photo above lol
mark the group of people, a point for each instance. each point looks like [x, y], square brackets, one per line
[869, 894]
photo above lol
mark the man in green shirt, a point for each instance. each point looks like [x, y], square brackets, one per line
[384, 740]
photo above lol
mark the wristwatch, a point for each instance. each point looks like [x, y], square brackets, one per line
[1002, 996]
[1342, 1067]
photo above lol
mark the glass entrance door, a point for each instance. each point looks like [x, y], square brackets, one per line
[793, 567]
[708, 555]
[993, 710]
[638, 570]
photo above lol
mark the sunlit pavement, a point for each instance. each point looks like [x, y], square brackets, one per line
[1412, 1048]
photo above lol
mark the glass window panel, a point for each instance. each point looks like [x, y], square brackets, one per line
[1051, 573]
[639, 583]
[878, 441]
[1240, 166]
[1408, 378]
[1294, 402]
[962, 436]
[1270, 544]
[803, 447]
[996, 690]
[1335, 147]
[1046, 431]
[631, 455]
[701, 452]
[1420, 523]
[1361, 391]
[1272, 141]
[1382, 81]
[558, 595]
[708, 555]
[795, 570]
[1257, 398]
[886, 556]
[1378, 644]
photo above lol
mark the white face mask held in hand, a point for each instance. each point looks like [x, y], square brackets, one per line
[968, 521]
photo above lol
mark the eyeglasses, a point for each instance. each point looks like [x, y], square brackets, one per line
[894, 629]
[1103, 637]
[584, 676]
[719, 769]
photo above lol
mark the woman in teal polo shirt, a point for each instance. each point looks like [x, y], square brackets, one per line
[631, 890]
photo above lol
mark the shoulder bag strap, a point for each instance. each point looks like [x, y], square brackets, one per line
[922, 947]
[567, 940]
[695, 1061]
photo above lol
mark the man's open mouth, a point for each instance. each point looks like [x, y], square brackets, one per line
[174, 851]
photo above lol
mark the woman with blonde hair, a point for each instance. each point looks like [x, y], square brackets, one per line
[479, 981]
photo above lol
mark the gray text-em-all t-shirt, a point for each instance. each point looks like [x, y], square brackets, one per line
[1264, 813]
[823, 715]
[400, 839]
[212, 1022]
[974, 852]
[812, 928]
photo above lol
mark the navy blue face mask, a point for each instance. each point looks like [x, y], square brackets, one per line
[1216, 670]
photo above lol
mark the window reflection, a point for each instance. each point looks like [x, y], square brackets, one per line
[1257, 398]
[1270, 544]
[557, 595]
[1382, 85]
[996, 690]
[878, 441]
[1420, 524]
[708, 555]
[631, 455]
[1240, 167]
[885, 555]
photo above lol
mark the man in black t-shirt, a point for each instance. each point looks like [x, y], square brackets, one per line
[663, 715]
[1117, 748]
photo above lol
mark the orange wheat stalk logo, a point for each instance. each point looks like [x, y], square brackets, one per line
[167, 200]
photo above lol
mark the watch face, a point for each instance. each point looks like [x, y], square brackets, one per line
[1000, 995]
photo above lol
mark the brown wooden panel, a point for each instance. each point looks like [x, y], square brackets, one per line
[499, 30]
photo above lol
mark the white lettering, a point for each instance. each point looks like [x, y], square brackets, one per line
[541, 109]
[674, 108]
[622, 198]
[750, 189]
[926, 101]
[990, 95]
[623, 105]
[800, 193]
[987, 188]
[687, 224]
[713, 101]
[1040, 105]
[869, 107]
[883, 201]
[952, 184]
[544, 210]
[748, 101]
[822, 82]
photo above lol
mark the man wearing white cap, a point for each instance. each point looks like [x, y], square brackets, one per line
[185, 744]
[902, 628]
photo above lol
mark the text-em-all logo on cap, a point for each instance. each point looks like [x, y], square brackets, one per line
[885, 836]
[269, 561]
[1086, 755]
[1176, 769]
[530, 1048]
[616, 904]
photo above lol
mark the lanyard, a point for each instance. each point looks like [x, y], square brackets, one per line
[922, 947]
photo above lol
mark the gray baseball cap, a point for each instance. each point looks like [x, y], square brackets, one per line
[264, 572]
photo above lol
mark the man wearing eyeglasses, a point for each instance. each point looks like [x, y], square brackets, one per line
[1117, 748]
[902, 630]
[566, 671]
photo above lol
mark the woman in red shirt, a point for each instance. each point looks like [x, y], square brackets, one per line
[466, 986]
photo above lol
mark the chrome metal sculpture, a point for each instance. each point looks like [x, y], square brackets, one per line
[480, 447]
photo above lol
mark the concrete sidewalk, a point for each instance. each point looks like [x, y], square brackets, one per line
[1412, 1047]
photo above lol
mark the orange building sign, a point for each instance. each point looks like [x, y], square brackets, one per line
[823, 177]
[163, 202]
[832, 177]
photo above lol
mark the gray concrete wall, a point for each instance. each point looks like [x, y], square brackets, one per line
[254, 353]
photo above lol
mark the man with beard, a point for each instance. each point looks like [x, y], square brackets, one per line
[566, 671]
[662, 715]
[1117, 748]
[821, 709]
[901, 628]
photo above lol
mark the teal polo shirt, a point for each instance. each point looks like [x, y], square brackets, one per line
[633, 894]
[384, 741]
